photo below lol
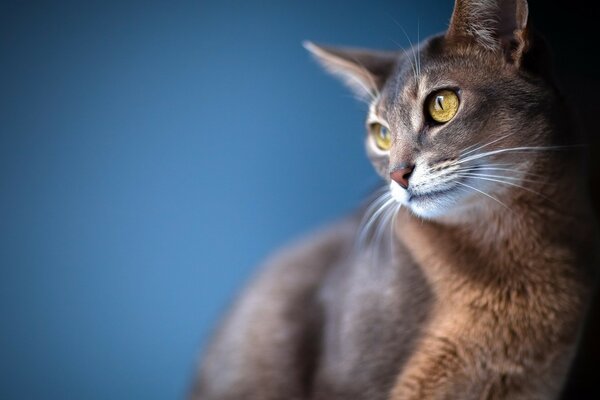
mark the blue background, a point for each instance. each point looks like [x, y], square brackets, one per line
[151, 154]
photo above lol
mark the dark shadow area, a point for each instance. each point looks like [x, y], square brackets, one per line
[571, 30]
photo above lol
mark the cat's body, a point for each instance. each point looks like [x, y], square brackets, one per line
[331, 326]
[318, 324]
[483, 291]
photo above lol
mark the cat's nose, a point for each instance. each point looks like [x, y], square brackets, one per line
[401, 175]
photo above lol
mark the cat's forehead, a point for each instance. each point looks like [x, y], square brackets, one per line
[428, 69]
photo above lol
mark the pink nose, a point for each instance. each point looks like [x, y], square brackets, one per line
[401, 175]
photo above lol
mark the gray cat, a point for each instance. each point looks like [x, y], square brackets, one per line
[468, 276]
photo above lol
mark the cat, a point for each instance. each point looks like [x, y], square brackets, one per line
[473, 268]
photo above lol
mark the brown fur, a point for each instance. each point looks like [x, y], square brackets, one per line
[484, 298]
[510, 306]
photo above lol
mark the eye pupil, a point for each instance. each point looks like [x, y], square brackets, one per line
[439, 101]
[442, 105]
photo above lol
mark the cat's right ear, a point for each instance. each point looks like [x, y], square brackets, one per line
[364, 71]
[493, 25]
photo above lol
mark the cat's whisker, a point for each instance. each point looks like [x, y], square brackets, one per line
[501, 177]
[479, 167]
[418, 53]
[380, 230]
[506, 183]
[414, 62]
[413, 66]
[456, 168]
[378, 201]
[484, 193]
[500, 167]
[469, 147]
[378, 248]
[372, 214]
[482, 168]
[392, 226]
[374, 206]
[398, 207]
[511, 149]
[487, 144]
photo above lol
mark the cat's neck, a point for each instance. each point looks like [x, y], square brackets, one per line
[526, 235]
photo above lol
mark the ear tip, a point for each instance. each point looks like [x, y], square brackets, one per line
[310, 46]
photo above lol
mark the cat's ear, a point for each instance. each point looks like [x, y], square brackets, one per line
[497, 25]
[364, 71]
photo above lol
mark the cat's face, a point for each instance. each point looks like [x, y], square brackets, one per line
[428, 132]
[455, 123]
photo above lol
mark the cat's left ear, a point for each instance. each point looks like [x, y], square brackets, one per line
[496, 25]
[364, 71]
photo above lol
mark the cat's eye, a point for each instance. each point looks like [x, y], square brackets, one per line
[442, 105]
[381, 136]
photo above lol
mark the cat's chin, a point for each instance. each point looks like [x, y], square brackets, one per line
[432, 205]
[427, 211]
[435, 209]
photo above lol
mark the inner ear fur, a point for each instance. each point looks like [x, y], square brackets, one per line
[495, 25]
[364, 71]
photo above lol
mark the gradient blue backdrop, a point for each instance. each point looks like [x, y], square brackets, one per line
[151, 154]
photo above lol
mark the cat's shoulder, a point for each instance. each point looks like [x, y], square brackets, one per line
[312, 253]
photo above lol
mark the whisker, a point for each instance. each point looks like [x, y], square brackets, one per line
[416, 70]
[374, 206]
[366, 227]
[392, 225]
[502, 177]
[413, 66]
[380, 230]
[507, 183]
[479, 168]
[512, 149]
[419, 53]
[498, 167]
[457, 167]
[487, 144]
[378, 249]
[470, 147]
[485, 194]
[378, 200]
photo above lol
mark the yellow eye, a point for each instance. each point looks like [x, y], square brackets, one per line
[381, 135]
[443, 105]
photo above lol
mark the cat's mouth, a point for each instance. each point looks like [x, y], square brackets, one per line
[434, 201]
[430, 195]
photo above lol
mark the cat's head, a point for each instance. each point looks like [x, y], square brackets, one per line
[460, 119]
